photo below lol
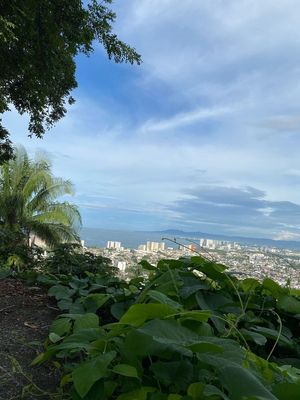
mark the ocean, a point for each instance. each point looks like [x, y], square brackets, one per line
[94, 237]
[129, 239]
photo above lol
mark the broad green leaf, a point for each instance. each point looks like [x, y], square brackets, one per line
[195, 390]
[206, 347]
[109, 388]
[86, 321]
[200, 316]
[119, 309]
[90, 372]
[163, 299]
[82, 339]
[211, 269]
[211, 390]
[65, 304]
[125, 370]
[254, 336]
[54, 337]
[138, 394]
[174, 397]
[94, 301]
[273, 287]
[139, 344]
[172, 333]
[249, 284]
[61, 292]
[289, 304]
[139, 313]
[169, 332]
[273, 334]
[43, 357]
[240, 381]
[146, 265]
[175, 373]
[61, 326]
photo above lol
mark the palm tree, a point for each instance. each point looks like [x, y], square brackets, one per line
[29, 201]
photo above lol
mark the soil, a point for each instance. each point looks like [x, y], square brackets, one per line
[25, 316]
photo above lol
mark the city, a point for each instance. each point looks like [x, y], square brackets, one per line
[283, 266]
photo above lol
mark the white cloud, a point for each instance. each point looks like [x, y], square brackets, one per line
[183, 119]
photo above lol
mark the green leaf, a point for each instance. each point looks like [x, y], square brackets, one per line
[211, 390]
[163, 299]
[288, 391]
[139, 313]
[273, 287]
[60, 292]
[90, 372]
[172, 333]
[200, 316]
[119, 309]
[177, 373]
[146, 265]
[125, 370]
[206, 347]
[86, 321]
[254, 336]
[169, 332]
[211, 269]
[94, 301]
[240, 381]
[54, 337]
[289, 304]
[195, 390]
[61, 326]
[174, 397]
[273, 334]
[138, 394]
[249, 284]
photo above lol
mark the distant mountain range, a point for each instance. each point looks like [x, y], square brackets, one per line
[283, 244]
[132, 239]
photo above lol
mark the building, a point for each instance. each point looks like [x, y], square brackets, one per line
[113, 245]
[155, 246]
[142, 247]
[121, 265]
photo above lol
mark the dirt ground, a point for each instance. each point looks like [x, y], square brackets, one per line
[25, 315]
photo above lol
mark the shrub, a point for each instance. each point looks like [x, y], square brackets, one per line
[191, 331]
[71, 259]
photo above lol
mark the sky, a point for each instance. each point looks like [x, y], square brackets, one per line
[203, 136]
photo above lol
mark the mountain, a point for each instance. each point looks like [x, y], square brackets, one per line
[132, 239]
[283, 244]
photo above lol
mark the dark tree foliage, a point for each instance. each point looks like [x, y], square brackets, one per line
[39, 40]
[13, 244]
[70, 259]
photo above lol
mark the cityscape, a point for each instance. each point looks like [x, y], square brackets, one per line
[281, 265]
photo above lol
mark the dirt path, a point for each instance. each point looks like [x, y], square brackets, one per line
[25, 316]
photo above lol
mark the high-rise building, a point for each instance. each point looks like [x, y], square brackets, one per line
[155, 246]
[113, 245]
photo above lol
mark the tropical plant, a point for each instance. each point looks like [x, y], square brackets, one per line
[69, 258]
[191, 331]
[29, 204]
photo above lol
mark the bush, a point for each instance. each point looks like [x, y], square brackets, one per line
[191, 331]
[15, 254]
[70, 259]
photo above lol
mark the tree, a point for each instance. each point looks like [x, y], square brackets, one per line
[39, 40]
[29, 202]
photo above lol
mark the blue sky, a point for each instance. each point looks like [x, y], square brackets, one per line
[204, 135]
